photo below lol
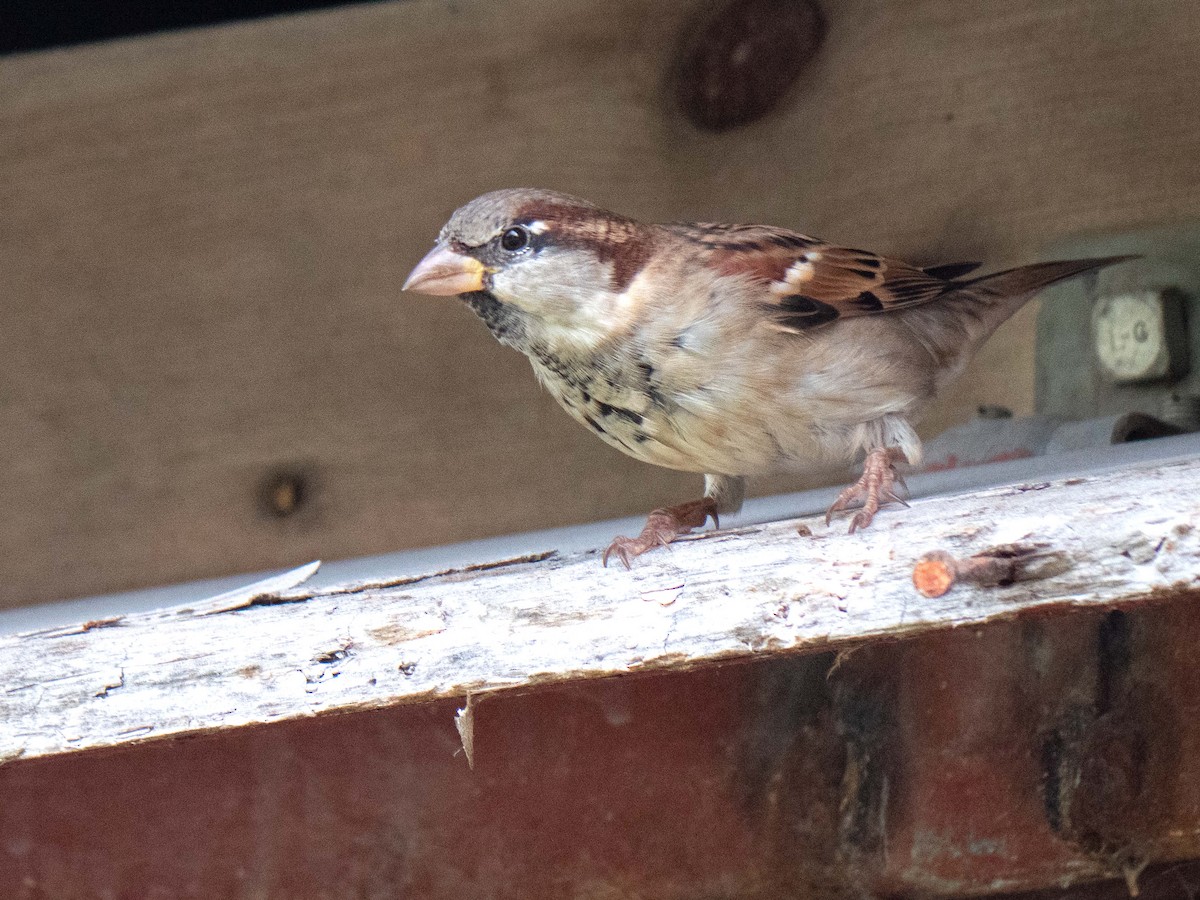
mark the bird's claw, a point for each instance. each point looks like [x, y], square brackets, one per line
[627, 548]
[876, 487]
[844, 499]
[662, 527]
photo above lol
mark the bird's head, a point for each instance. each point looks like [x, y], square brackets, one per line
[559, 263]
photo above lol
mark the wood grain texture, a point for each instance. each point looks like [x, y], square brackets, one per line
[204, 233]
[1123, 537]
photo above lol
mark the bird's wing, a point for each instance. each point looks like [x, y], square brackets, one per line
[809, 282]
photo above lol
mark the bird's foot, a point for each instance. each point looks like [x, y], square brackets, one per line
[662, 527]
[876, 487]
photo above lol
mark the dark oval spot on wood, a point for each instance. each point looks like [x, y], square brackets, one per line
[738, 61]
[284, 492]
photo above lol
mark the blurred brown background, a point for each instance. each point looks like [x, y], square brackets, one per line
[202, 237]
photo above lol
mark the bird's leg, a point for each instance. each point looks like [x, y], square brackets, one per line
[662, 527]
[876, 487]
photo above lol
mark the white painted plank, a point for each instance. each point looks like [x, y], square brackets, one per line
[1121, 536]
[406, 563]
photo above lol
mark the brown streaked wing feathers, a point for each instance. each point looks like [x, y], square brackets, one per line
[812, 282]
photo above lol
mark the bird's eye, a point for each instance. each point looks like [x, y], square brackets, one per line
[514, 239]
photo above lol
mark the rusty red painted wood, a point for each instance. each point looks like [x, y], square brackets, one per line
[649, 787]
[1016, 757]
[1033, 753]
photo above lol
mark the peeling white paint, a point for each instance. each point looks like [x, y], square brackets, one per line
[1117, 536]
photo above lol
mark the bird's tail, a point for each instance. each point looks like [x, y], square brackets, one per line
[1024, 281]
[953, 327]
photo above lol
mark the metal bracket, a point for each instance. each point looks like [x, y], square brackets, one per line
[1126, 340]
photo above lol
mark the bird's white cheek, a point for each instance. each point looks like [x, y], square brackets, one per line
[566, 297]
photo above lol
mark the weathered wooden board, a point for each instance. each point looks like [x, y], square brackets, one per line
[203, 234]
[1114, 538]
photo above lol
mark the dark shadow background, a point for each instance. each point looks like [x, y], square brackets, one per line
[38, 24]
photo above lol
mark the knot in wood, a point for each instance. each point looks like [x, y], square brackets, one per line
[737, 62]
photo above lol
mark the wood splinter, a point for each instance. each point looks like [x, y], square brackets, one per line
[938, 571]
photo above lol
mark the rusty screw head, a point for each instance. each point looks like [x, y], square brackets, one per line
[938, 571]
[738, 61]
[933, 575]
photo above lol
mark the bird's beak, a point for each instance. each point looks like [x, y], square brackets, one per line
[444, 273]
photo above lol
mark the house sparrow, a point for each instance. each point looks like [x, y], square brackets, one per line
[731, 350]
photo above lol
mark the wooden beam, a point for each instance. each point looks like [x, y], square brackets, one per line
[1123, 537]
[204, 232]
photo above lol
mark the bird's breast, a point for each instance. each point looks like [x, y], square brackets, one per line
[752, 409]
[624, 401]
[605, 398]
[617, 399]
